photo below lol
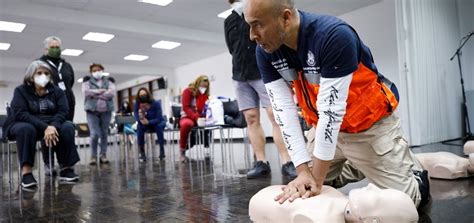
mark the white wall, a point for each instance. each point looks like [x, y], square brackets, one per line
[6, 94]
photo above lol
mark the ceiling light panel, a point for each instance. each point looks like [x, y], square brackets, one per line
[98, 37]
[136, 57]
[72, 52]
[157, 2]
[12, 26]
[4, 46]
[225, 13]
[167, 45]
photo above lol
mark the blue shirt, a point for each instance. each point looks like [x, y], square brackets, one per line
[327, 47]
[154, 115]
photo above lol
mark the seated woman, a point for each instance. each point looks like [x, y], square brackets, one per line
[149, 116]
[38, 111]
[194, 98]
[445, 165]
[368, 204]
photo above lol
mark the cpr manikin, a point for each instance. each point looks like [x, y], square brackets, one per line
[445, 165]
[469, 148]
[368, 204]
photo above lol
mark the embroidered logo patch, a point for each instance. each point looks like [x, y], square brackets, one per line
[310, 61]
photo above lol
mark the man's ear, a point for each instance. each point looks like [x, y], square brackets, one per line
[287, 14]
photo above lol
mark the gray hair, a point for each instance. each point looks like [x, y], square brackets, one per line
[30, 71]
[49, 39]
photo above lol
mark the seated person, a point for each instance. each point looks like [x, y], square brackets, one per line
[38, 111]
[194, 98]
[445, 165]
[149, 116]
[368, 204]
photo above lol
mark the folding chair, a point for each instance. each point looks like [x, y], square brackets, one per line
[124, 120]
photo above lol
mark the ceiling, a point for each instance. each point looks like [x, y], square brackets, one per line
[136, 27]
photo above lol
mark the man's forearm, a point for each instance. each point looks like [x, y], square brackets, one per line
[320, 169]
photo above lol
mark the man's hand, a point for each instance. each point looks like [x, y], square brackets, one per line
[303, 186]
[51, 136]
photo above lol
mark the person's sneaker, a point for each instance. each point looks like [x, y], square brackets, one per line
[49, 172]
[142, 157]
[68, 174]
[28, 181]
[162, 153]
[289, 170]
[260, 169]
[103, 159]
[93, 161]
[424, 187]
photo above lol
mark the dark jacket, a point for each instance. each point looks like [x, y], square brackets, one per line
[154, 115]
[244, 64]
[27, 106]
[68, 78]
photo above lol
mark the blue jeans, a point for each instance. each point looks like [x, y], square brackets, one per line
[98, 126]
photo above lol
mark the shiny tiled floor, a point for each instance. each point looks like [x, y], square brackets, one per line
[169, 191]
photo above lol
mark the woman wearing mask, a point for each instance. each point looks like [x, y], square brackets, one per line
[39, 110]
[194, 98]
[149, 115]
[99, 92]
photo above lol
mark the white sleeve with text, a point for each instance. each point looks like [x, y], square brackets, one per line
[331, 103]
[286, 116]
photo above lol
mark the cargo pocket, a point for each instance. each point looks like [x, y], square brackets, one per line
[382, 145]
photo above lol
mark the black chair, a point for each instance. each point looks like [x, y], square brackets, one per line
[122, 120]
[235, 119]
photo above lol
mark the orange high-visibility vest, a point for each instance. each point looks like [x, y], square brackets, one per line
[369, 100]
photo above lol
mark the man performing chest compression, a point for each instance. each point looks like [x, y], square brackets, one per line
[341, 93]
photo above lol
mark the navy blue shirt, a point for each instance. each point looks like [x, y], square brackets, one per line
[327, 47]
[154, 115]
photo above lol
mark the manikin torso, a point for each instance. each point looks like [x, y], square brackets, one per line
[445, 165]
[365, 204]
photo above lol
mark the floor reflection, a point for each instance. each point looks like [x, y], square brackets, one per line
[169, 191]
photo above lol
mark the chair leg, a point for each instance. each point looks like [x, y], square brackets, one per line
[51, 164]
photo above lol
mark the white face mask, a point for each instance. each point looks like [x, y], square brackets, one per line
[97, 74]
[202, 90]
[41, 80]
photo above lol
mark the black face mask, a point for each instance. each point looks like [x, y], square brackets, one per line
[144, 98]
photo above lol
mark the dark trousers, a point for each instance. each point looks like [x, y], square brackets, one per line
[44, 149]
[158, 129]
[26, 134]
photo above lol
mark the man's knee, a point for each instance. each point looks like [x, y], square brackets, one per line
[252, 116]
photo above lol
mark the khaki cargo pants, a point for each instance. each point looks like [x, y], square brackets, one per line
[380, 153]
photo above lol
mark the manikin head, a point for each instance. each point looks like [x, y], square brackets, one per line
[372, 204]
[469, 147]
